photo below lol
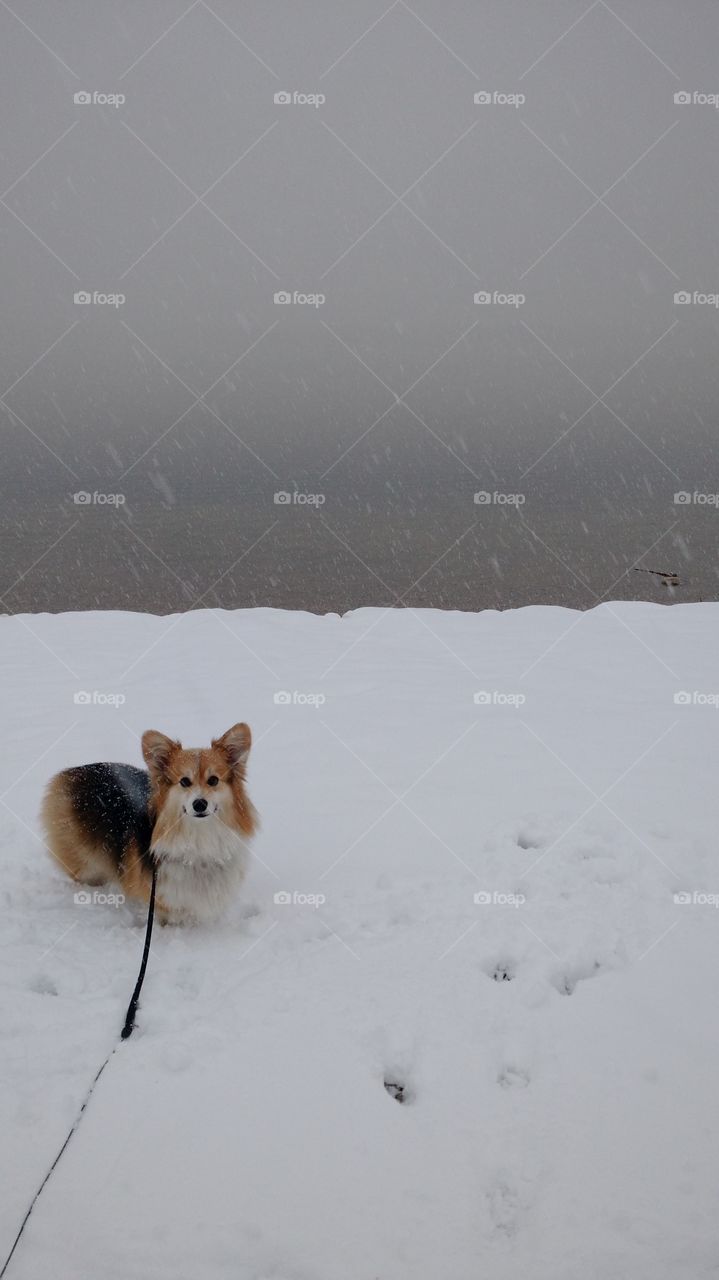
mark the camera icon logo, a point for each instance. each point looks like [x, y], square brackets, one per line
[482, 499]
[82, 698]
[482, 899]
[482, 299]
[82, 898]
[482, 699]
[482, 99]
[682, 499]
[282, 698]
[82, 99]
[682, 699]
[682, 899]
[82, 299]
[283, 498]
[283, 298]
[682, 99]
[283, 898]
[82, 499]
[283, 99]
[682, 298]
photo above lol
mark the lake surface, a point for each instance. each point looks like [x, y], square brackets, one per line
[427, 550]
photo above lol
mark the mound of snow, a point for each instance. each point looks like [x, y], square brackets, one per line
[463, 1020]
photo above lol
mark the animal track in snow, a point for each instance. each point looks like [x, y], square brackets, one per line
[43, 985]
[398, 1091]
[511, 1077]
[566, 980]
[500, 970]
[526, 840]
[503, 1203]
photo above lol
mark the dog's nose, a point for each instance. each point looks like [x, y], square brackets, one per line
[199, 805]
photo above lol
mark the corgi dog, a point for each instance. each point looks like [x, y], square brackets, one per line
[188, 815]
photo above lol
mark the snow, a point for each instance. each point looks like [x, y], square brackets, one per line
[556, 1046]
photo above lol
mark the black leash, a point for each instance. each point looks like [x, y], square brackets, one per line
[127, 1031]
[129, 1026]
[54, 1164]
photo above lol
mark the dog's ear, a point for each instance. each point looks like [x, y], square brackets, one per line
[235, 743]
[157, 749]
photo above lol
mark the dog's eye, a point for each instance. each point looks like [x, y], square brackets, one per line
[185, 782]
[213, 781]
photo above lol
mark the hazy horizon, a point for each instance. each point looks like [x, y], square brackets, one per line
[472, 253]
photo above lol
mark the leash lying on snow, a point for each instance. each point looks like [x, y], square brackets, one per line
[126, 1032]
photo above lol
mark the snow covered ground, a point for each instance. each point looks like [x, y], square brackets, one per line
[487, 911]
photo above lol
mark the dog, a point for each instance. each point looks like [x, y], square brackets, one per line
[188, 815]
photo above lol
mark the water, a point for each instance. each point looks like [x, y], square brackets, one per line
[516, 299]
[431, 551]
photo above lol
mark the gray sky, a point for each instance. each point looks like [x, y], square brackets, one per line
[581, 190]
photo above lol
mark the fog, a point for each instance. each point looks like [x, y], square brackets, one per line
[380, 259]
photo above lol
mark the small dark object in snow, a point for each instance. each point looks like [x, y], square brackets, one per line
[395, 1090]
[502, 974]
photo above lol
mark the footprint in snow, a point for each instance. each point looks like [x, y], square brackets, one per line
[511, 1077]
[397, 1086]
[43, 985]
[395, 1090]
[528, 840]
[503, 1203]
[501, 970]
[566, 981]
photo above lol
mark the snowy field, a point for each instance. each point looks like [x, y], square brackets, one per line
[488, 911]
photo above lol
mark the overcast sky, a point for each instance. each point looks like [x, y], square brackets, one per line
[382, 198]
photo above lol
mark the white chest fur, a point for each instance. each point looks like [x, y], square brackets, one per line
[199, 873]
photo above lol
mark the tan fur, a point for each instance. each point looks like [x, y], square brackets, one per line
[70, 838]
[134, 877]
[168, 761]
[83, 860]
